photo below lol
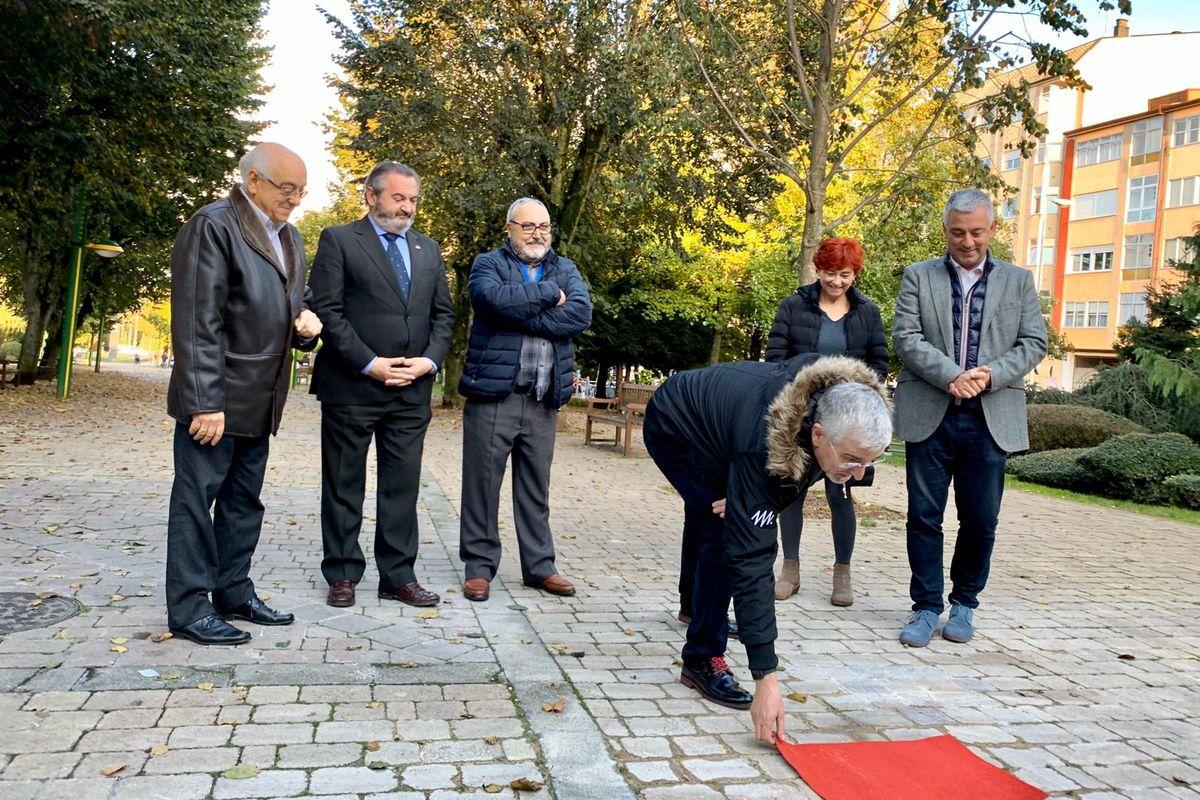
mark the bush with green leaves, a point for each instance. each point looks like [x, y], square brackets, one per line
[1136, 464]
[1046, 396]
[1059, 468]
[1181, 490]
[1054, 427]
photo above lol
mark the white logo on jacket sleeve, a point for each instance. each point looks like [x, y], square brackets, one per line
[763, 518]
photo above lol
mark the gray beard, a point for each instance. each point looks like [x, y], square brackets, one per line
[526, 255]
[393, 224]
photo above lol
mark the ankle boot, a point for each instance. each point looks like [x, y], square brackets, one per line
[788, 582]
[843, 594]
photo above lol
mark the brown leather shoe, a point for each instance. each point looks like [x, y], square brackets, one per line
[341, 594]
[555, 584]
[476, 589]
[411, 593]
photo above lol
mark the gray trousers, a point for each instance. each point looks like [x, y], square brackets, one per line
[492, 430]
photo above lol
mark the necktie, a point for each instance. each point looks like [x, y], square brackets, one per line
[393, 251]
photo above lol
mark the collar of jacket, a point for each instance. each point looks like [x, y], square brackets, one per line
[256, 234]
[550, 261]
[787, 457]
[812, 295]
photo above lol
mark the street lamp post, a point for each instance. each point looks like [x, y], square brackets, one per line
[105, 249]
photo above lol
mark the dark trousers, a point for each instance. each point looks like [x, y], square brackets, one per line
[963, 451]
[209, 551]
[520, 426]
[705, 593]
[844, 522]
[398, 428]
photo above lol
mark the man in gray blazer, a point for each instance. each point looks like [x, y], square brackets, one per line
[968, 328]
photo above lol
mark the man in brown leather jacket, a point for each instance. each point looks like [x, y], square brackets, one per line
[237, 309]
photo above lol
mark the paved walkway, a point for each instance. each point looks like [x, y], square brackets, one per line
[1084, 679]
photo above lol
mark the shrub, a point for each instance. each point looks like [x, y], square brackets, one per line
[1134, 465]
[1054, 427]
[1181, 490]
[1060, 468]
[11, 350]
[1040, 395]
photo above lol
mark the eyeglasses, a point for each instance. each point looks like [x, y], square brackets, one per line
[849, 466]
[287, 190]
[529, 227]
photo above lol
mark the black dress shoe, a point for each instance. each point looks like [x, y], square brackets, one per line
[258, 612]
[713, 679]
[212, 629]
[686, 619]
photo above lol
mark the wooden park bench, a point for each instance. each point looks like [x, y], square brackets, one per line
[624, 412]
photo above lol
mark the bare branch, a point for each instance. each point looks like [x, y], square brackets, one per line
[797, 60]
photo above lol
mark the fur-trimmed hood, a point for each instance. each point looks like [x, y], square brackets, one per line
[786, 456]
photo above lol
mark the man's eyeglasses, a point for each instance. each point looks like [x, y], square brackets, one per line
[529, 227]
[849, 466]
[287, 190]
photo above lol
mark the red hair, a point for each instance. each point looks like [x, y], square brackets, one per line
[837, 254]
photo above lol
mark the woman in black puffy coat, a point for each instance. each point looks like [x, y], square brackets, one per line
[829, 317]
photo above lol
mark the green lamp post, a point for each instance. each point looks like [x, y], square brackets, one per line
[105, 248]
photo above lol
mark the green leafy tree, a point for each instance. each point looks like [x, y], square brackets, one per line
[134, 109]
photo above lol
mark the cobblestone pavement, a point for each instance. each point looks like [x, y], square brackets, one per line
[1083, 680]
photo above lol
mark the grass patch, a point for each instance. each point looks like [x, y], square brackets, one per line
[1190, 516]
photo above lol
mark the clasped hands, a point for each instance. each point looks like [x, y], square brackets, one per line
[971, 383]
[400, 371]
[308, 325]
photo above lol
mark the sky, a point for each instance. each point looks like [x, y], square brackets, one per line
[303, 49]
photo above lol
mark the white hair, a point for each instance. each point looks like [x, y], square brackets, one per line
[521, 201]
[964, 201]
[255, 159]
[855, 411]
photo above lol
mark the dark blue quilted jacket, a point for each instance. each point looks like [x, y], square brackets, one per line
[967, 354]
[507, 308]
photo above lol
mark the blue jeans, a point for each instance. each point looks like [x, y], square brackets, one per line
[704, 572]
[961, 450]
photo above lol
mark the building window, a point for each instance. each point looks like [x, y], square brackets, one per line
[1147, 141]
[1097, 204]
[1047, 255]
[1187, 130]
[1132, 307]
[1011, 206]
[1139, 254]
[1092, 259]
[987, 162]
[1177, 249]
[1095, 151]
[1012, 160]
[1035, 205]
[1143, 197]
[1183, 191]
[1090, 314]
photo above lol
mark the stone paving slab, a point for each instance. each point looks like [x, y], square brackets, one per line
[1084, 679]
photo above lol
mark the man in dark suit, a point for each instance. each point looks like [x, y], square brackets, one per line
[380, 290]
[237, 309]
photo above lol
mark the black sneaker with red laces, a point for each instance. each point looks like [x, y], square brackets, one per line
[713, 679]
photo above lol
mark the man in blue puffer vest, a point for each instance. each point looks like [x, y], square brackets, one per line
[529, 305]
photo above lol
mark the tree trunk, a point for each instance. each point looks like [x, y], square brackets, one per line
[714, 357]
[35, 323]
[54, 330]
[756, 344]
[101, 339]
[602, 377]
[816, 182]
[456, 357]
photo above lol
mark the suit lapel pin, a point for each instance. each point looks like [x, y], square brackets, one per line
[417, 246]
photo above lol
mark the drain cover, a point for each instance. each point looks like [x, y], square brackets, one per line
[17, 615]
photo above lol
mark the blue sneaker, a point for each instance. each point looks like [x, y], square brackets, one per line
[920, 628]
[960, 626]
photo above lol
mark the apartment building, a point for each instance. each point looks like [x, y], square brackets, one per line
[1133, 80]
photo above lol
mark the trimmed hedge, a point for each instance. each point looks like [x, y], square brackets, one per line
[1136, 464]
[1181, 490]
[1054, 427]
[1060, 468]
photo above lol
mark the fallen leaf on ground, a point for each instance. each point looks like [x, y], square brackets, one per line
[264, 597]
[224, 721]
[1127, 657]
[241, 772]
[371, 747]
[51, 528]
[75, 586]
[205, 687]
[378, 765]
[159, 750]
[556, 707]
[799, 698]
[525, 785]
[373, 704]
[33, 604]
[116, 598]
[428, 613]
[117, 648]
[159, 638]
[144, 593]
[108, 772]
[119, 640]
[29, 578]
[493, 788]
[491, 739]
[45, 595]
[61, 634]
